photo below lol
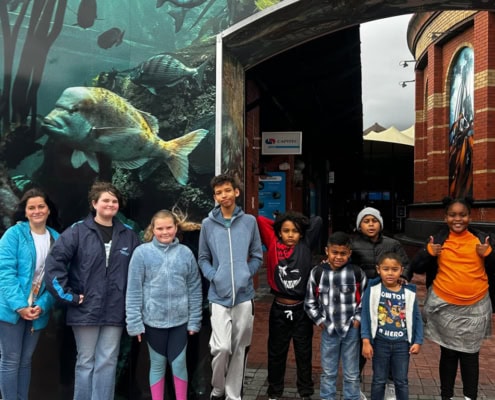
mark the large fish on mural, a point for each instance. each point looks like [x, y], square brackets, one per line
[164, 70]
[95, 120]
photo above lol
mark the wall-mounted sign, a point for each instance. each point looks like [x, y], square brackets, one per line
[281, 142]
[271, 194]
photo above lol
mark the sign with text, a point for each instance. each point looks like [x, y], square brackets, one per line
[271, 194]
[281, 142]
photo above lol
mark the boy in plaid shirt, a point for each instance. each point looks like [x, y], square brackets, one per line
[333, 302]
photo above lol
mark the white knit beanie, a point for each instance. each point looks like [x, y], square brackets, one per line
[369, 211]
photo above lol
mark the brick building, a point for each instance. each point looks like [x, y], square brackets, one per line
[455, 110]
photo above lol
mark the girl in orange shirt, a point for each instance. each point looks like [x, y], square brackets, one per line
[458, 261]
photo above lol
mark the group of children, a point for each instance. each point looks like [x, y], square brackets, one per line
[332, 294]
[359, 295]
[361, 298]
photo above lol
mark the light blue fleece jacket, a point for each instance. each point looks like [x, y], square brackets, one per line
[17, 266]
[230, 256]
[163, 288]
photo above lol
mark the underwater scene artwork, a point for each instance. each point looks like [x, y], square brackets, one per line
[122, 91]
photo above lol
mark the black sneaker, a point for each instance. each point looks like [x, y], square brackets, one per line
[212, 397]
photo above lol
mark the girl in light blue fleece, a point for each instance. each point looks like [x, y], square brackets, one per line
[164, 300]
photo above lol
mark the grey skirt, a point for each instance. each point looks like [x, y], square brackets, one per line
[460, 328]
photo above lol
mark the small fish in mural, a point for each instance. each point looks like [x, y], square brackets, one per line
[181, 3]
[86, 14]
[110, 38]
[164, 70]
[95, 120]
[21, 181]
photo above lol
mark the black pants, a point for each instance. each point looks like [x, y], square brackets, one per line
[289, 322]
[469, 362]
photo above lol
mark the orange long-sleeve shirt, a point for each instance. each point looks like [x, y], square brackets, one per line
[461, 277]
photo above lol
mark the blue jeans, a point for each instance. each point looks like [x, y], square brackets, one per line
[390, 355]
[333, 348]
[96, 364]
[17, 344]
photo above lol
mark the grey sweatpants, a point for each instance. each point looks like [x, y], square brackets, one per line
[232, 329]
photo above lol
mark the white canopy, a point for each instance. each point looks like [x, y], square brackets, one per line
[393, 135]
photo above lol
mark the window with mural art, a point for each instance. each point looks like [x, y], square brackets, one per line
[461, 124]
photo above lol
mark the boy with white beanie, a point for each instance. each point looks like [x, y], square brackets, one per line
[368, 245]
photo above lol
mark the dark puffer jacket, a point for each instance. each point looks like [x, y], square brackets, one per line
[365, 253]
[77, 265]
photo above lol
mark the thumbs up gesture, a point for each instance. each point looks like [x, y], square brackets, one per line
[434, 248]
[483, 247]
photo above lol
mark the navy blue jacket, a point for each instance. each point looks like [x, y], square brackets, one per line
[77, 265]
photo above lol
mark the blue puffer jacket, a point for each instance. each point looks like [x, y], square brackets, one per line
[77, 265]
[17, 266]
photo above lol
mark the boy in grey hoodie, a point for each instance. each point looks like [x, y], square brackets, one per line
[229, 255]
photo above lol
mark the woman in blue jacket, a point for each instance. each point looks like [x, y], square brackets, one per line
[87, 270]
[24, 301]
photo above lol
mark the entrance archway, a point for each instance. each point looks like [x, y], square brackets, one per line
[283, 27]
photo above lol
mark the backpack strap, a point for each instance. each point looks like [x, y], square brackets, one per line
[358, 276]
[318, 274]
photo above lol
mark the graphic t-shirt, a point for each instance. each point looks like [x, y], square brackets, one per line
[392, 315]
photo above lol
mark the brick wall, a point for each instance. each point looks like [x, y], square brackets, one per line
[435, 54]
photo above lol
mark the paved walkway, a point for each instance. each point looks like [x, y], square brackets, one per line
[424, 381]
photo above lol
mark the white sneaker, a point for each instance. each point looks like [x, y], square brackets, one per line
[362, 396]
[389, 392]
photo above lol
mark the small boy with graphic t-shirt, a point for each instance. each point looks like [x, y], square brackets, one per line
[391, 327]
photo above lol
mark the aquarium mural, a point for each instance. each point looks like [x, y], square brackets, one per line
[122, 91]
[113, 90]
[461, 134]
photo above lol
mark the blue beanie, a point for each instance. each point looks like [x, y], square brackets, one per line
[369, 211]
